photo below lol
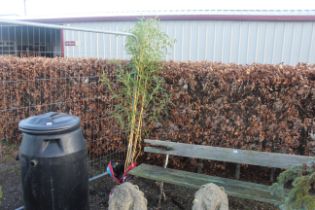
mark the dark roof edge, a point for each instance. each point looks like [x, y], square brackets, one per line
[180, 17]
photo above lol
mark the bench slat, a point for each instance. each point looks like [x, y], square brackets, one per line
[266, 159]
[233, 188]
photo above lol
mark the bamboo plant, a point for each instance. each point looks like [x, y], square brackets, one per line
[140, 93]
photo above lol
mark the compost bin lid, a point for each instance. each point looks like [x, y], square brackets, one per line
[49, 123]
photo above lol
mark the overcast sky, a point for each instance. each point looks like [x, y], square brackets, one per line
[60, 8]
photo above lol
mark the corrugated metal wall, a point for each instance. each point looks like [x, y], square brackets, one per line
[242, 42]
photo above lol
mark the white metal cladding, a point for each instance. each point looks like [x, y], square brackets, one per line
[242, 42]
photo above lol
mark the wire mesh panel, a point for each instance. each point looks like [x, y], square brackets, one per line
[33, 85]
[99, 189]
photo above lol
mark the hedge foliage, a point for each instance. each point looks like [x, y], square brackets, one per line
[259, 107]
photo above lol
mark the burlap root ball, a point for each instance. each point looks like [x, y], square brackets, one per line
[210, 197]
[127, 197]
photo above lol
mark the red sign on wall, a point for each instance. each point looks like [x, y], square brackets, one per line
[70, 43]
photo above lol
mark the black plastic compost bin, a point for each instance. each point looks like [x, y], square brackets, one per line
[54, 163]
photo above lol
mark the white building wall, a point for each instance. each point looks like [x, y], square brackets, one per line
[242, 42]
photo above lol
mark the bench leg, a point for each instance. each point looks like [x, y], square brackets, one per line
[200, 167]
[238, 171]
[272, 175]
[162, 194]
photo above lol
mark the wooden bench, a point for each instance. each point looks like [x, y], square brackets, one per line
[233, 187]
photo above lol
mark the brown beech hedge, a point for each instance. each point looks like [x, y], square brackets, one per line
[258, 107]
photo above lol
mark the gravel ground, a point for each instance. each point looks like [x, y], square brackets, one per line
[177, 198]
[11, 186]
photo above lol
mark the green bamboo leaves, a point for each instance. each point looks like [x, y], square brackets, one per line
[141, 93]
